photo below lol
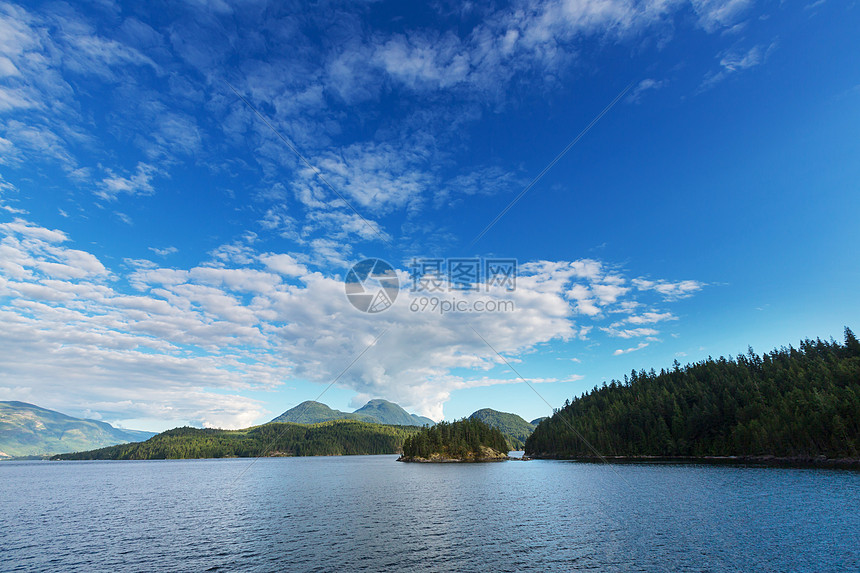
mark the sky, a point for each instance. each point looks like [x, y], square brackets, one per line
[185, 186]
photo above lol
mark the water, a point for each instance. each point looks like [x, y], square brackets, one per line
[369, 513]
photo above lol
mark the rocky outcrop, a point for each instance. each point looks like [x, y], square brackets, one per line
[484, 455]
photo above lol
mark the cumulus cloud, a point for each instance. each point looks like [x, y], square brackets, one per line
[186, 343]
[283, 264]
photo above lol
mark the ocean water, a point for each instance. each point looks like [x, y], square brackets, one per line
[369, 513]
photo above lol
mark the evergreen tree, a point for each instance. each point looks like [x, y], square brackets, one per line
[791, 402]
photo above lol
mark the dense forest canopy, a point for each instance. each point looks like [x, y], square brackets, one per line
[338, 437]
[463, 439]
[792, 402]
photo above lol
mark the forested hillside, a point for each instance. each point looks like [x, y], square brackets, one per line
[511, 425]
[386, 412]
[792, 402]
[338, 437]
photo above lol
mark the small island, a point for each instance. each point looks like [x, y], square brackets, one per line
[467, 440]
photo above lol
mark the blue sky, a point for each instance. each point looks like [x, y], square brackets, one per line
[167, 258]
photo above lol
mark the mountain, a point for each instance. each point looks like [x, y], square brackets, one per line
[390, 413]
[537, 421]
[332, 438]
[374, 412]
[792, 403]
[509, 424]
[28, 430]
[310, 412]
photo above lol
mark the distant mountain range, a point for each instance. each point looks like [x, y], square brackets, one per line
[28, 430]
[375, 411]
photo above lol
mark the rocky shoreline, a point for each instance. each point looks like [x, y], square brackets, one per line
[486, 455]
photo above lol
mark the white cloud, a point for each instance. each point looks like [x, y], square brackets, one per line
[6, 190]
[670, 290]
[488, 180]
[419, 62]
[639, 346]
[14, 99]
[608, 293]
[651, 317]
[715, 15]
[164, 251]
[30, 231]
[642, 87]
[215, 330]
[140, 183]
[37, 142]
[283, 264]
[628, 332]
[733, 61]
[239, 252]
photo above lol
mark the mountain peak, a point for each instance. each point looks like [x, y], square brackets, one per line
[390, 413]
[377, 411]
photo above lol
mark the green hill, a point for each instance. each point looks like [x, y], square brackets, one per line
[799, 403]
[28, 430]
[509, 424]
[374, 412]
[537, 421]
[390, 413]
[332, 438]
[467, 440]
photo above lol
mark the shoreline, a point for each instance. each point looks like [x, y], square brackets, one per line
[450, 461]
[763, 460]
[440, 459]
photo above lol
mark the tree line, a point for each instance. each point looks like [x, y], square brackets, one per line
[792, 402]
[334, 438]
